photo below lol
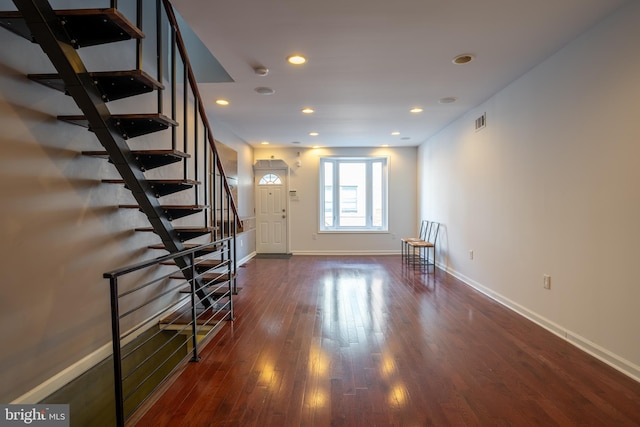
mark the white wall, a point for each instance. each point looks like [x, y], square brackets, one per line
[304, 212]
[60, 229]
[550, 186]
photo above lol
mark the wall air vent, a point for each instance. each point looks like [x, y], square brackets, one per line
[481, 122]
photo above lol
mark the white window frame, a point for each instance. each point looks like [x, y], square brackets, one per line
[369, 227]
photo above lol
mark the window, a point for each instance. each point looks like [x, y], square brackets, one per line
[270, 179]
[353, 194]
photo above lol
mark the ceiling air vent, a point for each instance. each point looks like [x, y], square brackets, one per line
[481, 122]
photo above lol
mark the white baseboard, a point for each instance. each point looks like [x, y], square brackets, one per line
[347, 253]
[615, 361]
[65, 376]
[246, 259]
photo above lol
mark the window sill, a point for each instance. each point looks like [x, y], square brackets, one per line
[346, 231]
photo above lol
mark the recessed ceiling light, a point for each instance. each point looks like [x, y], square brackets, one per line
[313, 134]
[296, 59]
[416, 110]
[465, 58]
[384, 145]
[308, 110]
[265, 143]
[265, 90]
[448, 100]
[395, 133]
[315, 146]
[221, 101]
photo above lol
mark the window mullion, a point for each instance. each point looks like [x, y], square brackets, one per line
[368, 199]
[336, 194]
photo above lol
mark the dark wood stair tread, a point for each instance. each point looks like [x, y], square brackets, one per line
[195, 228]
[147, 159]
[185, 233]
[112, 85]
[208, 278]
[156, 181]
[204, 265]
[85, 27]
[208, 263]
[104, 154]
[161, 187]
[173, 211]
[129, 125]
[167, 207]
[199, 253]
[187, 246]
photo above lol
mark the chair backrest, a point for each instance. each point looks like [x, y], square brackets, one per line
[432, 233]
[424, 225]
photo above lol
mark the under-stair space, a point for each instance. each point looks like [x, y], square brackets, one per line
[167, 159]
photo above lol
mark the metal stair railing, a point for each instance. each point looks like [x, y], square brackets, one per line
[47, 30]
[144, 356]
[200, 109]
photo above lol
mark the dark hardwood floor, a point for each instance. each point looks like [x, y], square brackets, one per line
[361, 341]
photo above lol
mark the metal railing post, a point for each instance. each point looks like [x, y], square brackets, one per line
[232, 276]
[194, 314]
[159, 56]
[139, 24]
[117, 353]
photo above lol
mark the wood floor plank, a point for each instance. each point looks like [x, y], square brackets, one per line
[364, 341]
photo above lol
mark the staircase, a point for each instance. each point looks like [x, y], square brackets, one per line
[210, 210]
[61, 33]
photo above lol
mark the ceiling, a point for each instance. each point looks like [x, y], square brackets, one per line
[370, 61]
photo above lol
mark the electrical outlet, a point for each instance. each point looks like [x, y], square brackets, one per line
[471, 254]
[546, 281]
[314, 236]
[393, 236]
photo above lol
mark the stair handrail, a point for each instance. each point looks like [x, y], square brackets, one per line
[201, 110]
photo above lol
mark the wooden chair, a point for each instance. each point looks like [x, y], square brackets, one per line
[404, 242]
[419, 249]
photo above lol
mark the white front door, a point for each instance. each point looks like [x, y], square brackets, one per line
[271, 212]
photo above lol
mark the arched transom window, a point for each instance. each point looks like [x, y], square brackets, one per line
[270, 179]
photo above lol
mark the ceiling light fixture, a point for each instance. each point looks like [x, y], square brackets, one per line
[222, 102]
[395, 133]
[265, 90]
[265, 143]
[416, 110]
[260, 70]
[313, 134]
[296, 59]
[308, 110]
[448, 100]
[465, 58]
